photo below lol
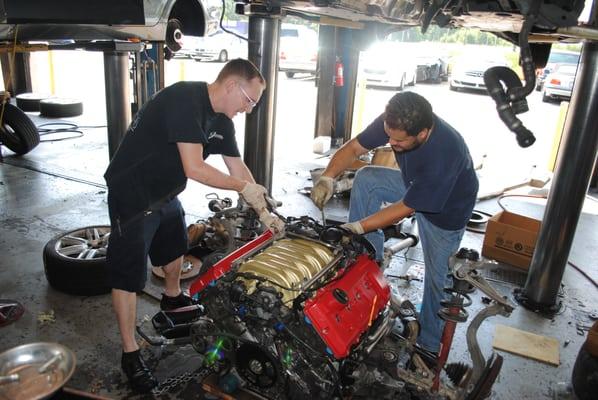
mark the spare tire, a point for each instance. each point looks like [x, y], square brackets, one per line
[75, 261]
[30, 101]
[17, 131]
[56, 107]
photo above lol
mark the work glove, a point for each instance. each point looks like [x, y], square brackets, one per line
[354, 227]
[255, 196]
[322, 191]
[273, 223]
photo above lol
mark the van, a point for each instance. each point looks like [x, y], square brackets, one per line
[298, 50]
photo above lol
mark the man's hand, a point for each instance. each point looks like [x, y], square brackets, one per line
[272, 222]
[255, 196]
[354, 227]
[322, 191]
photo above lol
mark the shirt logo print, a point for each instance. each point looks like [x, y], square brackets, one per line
[213, 135]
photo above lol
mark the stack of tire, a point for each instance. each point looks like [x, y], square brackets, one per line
[18, 132]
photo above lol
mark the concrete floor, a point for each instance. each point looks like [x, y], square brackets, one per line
[58, 187]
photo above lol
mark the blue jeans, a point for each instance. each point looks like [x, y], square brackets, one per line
[374, 186]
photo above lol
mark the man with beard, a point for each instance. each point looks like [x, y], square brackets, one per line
[436, 181]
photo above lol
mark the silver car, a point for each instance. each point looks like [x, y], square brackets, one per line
[559, 83]
[76, 20]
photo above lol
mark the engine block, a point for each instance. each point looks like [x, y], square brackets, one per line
[287, 263]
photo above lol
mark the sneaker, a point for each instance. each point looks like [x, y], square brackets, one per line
[171, 303]
[139, 375]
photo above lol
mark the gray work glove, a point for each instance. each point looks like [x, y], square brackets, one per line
[255, 196]
[272, 222]
[354, 227]
[322, 191]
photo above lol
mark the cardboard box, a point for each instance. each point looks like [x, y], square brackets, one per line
[511, 238]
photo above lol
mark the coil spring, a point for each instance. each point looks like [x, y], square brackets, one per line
[454, 308]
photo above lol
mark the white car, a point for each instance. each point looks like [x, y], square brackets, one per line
[219, 46]
[386, 64]
[468, 71]
[298, 50]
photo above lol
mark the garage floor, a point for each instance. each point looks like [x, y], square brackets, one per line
[59, 187]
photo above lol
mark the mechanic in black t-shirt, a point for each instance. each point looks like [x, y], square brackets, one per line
[166, 144]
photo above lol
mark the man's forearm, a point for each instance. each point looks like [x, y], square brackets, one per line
[386, 216]
[343, 159]
[213, 177]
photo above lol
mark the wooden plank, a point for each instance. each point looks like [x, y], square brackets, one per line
[526, 344]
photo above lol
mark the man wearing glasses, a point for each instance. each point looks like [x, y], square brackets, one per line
[167, 143]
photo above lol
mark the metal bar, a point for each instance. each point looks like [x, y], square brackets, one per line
[118, 109]
[570, 184]
[264, 32]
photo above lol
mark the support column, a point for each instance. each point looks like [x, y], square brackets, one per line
[264, 32]
[344, 97]
[18, 70]
[325, 81]
[118, 108]
[570, 185]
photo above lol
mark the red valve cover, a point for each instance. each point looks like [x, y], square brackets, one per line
[342, 311]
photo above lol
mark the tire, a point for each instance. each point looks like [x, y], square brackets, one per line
[17, 131]
[29, 102]
[546, 98]
[174, 35]
[78, 276]
[223, 56]
[56, 107]
[289, 74]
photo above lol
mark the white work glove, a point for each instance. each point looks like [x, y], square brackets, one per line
[272, 222]
[354, 227]
[322, 191]
[255, 196]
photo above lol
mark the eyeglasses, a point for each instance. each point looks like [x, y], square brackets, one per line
[251, 102]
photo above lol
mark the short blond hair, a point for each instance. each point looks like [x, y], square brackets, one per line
[242, 68]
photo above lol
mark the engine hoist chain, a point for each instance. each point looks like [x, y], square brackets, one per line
[170, 384]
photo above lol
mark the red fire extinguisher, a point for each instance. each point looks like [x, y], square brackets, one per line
[339, 81]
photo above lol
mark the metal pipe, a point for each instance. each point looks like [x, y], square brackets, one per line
[411, 240]
[264, 32]
[118, 108]
[570, 184]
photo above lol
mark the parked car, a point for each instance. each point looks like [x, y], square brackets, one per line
[384, 64]
[298, 50]
[219, 46]
[556, 59]
[431, 68]
[559, 83]
[468, 70]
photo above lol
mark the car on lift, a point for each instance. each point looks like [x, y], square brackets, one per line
[398, 70]
[298, 50]
[219, 46]
[559, 83]
[556, 59]
[82, 21]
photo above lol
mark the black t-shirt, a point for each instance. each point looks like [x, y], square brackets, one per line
[439, 176]
[146, 170]
[221, 138]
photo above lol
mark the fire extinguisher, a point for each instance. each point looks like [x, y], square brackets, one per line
[339, 80]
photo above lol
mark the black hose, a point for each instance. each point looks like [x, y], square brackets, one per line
[494, 79]
[525, 58]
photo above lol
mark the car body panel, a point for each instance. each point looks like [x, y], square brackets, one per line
[193, 15]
